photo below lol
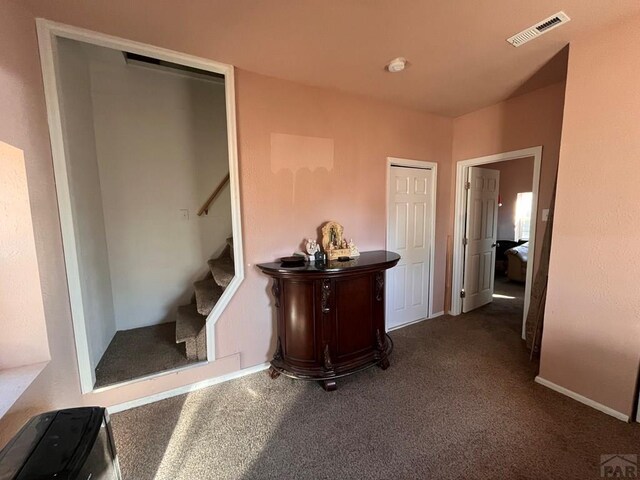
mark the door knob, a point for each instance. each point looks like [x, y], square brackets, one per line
[493, 245]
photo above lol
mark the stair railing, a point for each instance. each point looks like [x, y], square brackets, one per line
[205, 207]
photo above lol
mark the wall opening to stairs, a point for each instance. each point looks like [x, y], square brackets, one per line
[151, 213]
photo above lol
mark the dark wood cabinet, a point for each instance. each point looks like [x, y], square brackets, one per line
[331, 317]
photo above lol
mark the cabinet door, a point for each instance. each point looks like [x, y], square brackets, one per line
[354, 322]
[298, 322]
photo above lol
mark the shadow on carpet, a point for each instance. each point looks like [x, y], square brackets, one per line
[458, 401]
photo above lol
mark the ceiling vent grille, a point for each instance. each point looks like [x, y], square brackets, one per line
[538, 29]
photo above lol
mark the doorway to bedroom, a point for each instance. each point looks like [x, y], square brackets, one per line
[495, 233]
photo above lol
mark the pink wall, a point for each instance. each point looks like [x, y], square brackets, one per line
[591, 339]
[281, 206]
[516, 176]
[521, 122]
[279, 209]
[21, 310]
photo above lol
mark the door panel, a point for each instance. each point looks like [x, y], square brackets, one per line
[482, 229]
[418, 284]
[409, 234]
[354, 322]
[402, 216]
[299, 336]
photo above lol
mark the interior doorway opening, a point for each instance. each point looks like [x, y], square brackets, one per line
[494, 236]
[144, 151]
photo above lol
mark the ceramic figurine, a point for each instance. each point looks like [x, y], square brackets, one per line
[353, 250]
[312, 247]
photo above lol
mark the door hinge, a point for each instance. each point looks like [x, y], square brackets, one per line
[462, 293]
[467, 185]
[465, 241]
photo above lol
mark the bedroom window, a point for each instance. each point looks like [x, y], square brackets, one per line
[523, 215]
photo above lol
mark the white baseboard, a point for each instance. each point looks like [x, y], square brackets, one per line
[436, 315]
[582, 399]
[186, 388]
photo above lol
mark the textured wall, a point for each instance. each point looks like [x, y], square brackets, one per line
[516, 176]
[591, 339]
[86, 201]
[284, 203]
[521, 122]
[24, 337]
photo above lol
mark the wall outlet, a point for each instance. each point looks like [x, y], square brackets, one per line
[184, 214]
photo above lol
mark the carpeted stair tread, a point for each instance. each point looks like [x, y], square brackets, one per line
[189, 323]
[207, 295]
[222, 270]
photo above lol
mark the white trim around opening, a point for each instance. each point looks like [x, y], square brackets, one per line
[48, 32]
[405, 162]
[459, 222]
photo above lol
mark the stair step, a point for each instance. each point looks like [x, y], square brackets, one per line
[207, 295]
[222, 270]
[189, 323]
[190, 329]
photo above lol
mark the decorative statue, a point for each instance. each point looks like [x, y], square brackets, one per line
[334, 244]
[312, 247]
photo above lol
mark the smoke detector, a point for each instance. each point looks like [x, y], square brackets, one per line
[397, 65]
[538, 29]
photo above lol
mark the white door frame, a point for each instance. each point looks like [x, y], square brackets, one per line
[405, 162]
[48, 31]
[459, 222]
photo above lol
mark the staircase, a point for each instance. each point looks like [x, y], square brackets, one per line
[192, 318]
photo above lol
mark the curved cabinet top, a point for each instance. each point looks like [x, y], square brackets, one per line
[367, 261]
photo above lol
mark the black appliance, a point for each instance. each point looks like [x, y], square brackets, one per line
[70, 444]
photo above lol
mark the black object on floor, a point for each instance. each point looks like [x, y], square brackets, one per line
[70, 444]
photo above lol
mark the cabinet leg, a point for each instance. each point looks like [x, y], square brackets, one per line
[273, 373]
[329, 385]
[384, 363]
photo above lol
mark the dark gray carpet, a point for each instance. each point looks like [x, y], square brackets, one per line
[458, 402]
[139, 352]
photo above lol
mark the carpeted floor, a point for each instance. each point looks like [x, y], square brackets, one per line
[139, 352]
[458, 402]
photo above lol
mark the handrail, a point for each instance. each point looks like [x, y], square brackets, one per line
[205, 207]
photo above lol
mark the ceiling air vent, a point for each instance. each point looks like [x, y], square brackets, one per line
[538, 29]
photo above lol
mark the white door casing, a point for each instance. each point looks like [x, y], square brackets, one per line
[410, 234]
[460, 222]
[481, 237]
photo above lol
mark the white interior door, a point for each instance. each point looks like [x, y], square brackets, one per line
[409, 234]
[480, 237]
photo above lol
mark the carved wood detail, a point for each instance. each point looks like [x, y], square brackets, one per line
[326, 293]
[275, 291]
[278, 354]
[380, 343]
[327, 359]
[379, 286]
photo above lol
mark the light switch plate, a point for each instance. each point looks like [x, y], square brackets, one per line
[545, 214]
